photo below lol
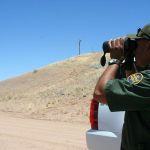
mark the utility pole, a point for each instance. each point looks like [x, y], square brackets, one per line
[79, 46]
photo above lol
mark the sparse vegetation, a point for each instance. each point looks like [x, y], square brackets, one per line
[60, 91]
[35, 71]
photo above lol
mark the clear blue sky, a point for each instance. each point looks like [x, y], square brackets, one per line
[35, 33]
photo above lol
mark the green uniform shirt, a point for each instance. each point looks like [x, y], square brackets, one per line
[133, 96]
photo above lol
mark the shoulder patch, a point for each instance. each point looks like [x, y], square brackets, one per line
[135, 78]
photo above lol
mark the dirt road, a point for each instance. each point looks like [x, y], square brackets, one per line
[27, 134]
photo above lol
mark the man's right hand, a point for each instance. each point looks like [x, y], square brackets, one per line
[116, 48]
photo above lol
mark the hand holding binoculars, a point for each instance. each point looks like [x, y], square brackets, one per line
[129, 46]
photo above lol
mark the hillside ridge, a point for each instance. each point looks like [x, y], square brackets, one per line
[59, 91]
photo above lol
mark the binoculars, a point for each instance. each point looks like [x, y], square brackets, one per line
[130, 44]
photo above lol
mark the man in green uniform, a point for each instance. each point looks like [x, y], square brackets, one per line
[130, 94]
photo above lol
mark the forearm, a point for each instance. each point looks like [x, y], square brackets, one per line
[117, 55]
[108, 74]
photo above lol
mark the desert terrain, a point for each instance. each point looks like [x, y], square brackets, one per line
[48, 108]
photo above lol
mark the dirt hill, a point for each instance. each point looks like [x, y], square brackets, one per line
[59, 91]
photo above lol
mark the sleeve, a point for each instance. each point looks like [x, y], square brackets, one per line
[123, 96]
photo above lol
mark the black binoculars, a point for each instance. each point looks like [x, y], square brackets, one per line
[130, 44]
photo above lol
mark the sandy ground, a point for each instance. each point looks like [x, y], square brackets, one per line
[28, 134]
